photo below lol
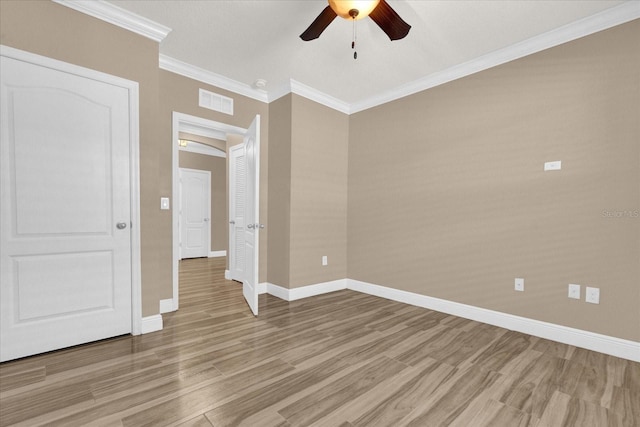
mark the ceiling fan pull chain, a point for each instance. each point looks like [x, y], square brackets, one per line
[353, 42]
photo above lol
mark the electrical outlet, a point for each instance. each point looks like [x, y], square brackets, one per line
[519, 284]
[325, 261]
[574, 291]
[592, 295]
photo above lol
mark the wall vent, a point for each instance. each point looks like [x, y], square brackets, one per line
[215, 102]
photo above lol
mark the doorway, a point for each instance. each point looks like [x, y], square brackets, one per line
[184, 123]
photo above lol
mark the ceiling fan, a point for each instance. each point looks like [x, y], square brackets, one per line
[379, 10]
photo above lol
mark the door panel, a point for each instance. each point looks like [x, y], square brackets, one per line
[251, 146]
[36, 118]
[66, 214]
[195, 196]
[65, 274]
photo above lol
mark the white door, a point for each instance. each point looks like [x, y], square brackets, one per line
[65, 241]
[195, 213]
[237, 195]
[251, 145]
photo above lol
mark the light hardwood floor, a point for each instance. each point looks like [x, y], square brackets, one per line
[339, 359]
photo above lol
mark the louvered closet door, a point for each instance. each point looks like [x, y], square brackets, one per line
[237, 194]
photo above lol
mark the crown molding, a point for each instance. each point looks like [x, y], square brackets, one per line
[279, 92]
[105, 11]
[294, 86]
[187, 70]
[609, 18]
[117, 16]
[319, 97]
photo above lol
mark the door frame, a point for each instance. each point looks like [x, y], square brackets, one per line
[197, 126]
[134, 160]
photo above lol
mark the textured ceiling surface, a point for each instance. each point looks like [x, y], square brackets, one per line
[249, 40]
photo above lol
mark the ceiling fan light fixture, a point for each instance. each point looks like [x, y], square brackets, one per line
[343, 8]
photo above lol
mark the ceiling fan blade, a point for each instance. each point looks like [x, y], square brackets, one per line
[389, 21]
[318, 26]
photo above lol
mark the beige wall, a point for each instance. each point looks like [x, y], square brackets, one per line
[308, 192]
[319, 151]
[219, 211]
[448, 198]
[279, 191]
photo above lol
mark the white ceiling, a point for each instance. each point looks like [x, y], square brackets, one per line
[249, 40]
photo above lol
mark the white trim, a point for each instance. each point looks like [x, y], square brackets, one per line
[166, 305]
[152, 323]
[136, 257]
[320, 97]
[280, 91]
[227, 275]
[217, 254]
[134, 153]
[120, 17]
[625, 12]
[602, 343]
[262, 288]
[305, 291]
[198, 129]
[199, 148]
[197, 126]
[187, 70]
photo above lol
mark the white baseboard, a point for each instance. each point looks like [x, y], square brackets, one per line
[278, 291]
[262, 288]
[305, 291]
[216, 254]
[592, 341]
[618, 347]
[166, 305]
[227, 275]
[151, 324]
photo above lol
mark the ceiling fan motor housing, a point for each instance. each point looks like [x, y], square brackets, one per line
[344, 8]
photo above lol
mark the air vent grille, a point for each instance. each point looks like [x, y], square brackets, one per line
[215, 102]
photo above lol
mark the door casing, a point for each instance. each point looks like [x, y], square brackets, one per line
[197, 126]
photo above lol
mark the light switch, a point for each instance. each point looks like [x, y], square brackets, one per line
[164, 203]
[553, 166]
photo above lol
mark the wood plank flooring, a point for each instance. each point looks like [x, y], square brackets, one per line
[342, 359]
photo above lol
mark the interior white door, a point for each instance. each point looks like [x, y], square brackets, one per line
[237, 195]
[65, 241]
[195, 213]
[251, 145]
